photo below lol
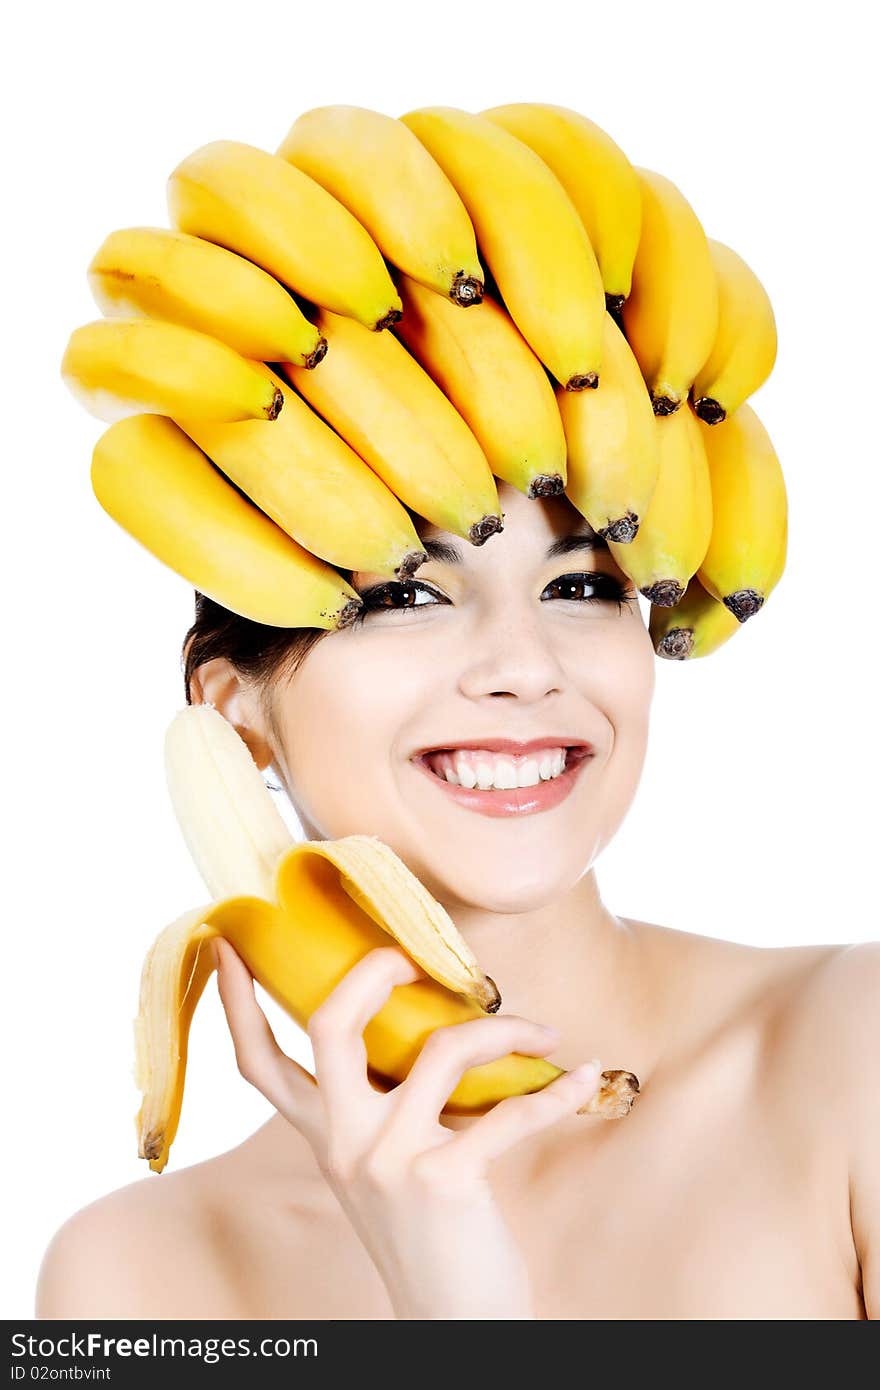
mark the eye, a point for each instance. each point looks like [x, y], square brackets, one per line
[396, 595]
[590, 586]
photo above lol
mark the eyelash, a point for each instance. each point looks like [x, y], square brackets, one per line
[372, 597]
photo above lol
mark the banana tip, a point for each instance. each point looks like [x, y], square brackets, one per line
[710, 411]
[666, 593]
[744, 603]
[677, 644]
[273, 410]
[487, 526]
[488, 995]
[388, 320]
[410, 563]
[318, 353]
[546, 485]
[665, 405]
[623, 530]
[583, 381]
[466, 289]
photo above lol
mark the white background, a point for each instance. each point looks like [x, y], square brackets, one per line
[756, 816]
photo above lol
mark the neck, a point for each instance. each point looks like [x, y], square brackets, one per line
[575, 966]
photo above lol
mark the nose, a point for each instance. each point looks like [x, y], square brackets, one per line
[509, 652]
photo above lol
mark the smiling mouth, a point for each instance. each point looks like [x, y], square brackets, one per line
[486, 771]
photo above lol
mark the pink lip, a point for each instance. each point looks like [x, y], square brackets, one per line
[518, 801]
[511, 745]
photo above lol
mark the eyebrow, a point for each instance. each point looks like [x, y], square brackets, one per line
[448, 554]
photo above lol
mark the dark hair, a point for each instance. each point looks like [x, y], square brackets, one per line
[260, 652]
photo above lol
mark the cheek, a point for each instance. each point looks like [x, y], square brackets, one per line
[339, 721]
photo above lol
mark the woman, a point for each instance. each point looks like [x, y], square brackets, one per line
[744, 1184]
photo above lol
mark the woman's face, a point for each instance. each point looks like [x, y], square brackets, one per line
[500, 642]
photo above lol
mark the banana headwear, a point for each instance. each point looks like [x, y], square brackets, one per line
[289, 369]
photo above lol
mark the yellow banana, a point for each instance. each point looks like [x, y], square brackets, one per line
[393, 415]
[378, 169]
[332, 902]
[315, 487]
[154, 482]
[257, 204]
[744, 350]
[699, 625]
[121, 367]
[486, 368]
[170, 275]
[613, 445]
[750, 507]
[596, 175]
[530, 234]
[674, 535]
[671, 316]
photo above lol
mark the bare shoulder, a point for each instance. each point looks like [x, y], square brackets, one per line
[126, 1254]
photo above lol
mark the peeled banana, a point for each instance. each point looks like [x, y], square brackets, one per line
[162, 490]
[596, 175]
[333, 901]
[183, 279]
[744, 350]
[750, 507]
[530, 234]
[122, 367]
[309, 481]
[378, 169]
[671, 315]
[673, 538]
[484, 365]
[260, 206]
[613, 444]
[378, 398]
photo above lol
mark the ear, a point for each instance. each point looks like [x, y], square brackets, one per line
[216, 682]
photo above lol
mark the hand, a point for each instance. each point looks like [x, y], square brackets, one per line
[416, 1193]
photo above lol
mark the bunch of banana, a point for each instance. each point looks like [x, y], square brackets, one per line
[398, 420]
[600, 276]
[300, 916]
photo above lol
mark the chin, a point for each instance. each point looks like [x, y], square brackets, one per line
[505, 883]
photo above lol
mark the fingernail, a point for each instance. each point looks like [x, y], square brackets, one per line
[587, 1071]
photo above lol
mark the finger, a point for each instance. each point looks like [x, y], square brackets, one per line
[516, 1117]
[260, 1060]
[448, 1052]
[336, 1027]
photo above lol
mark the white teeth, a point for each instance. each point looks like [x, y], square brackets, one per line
[467, 775]
[505, 774]
[492, 771]
[528, 774]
